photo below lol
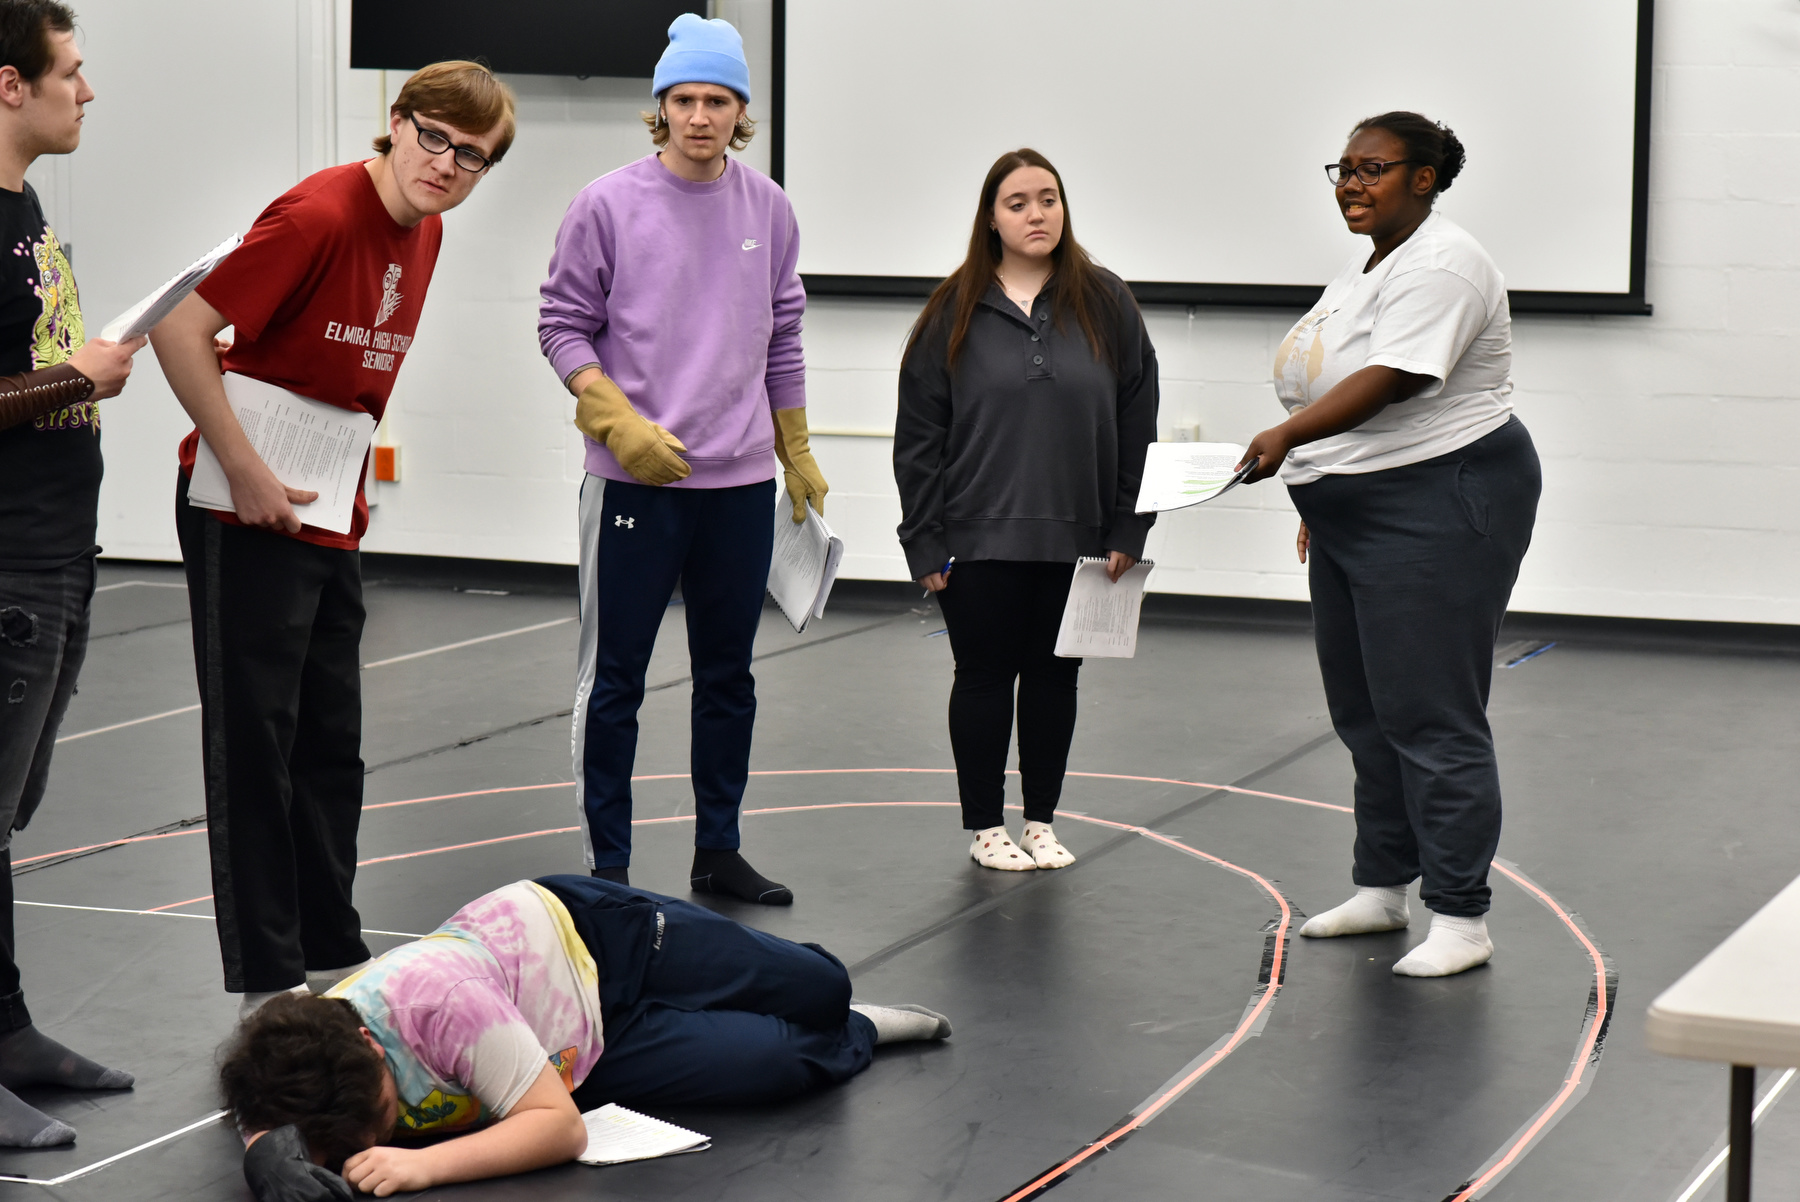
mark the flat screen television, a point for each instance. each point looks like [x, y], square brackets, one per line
[524, 37]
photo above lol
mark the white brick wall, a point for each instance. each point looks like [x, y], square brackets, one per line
[1671, 444]
[1668, 442]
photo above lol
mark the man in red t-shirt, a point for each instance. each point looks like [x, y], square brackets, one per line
[325, 295]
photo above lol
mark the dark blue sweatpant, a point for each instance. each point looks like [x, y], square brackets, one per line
[699, 1009]
[716, 542]
[1411, 569]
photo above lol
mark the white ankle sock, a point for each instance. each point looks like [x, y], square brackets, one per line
[994, 848]
[896, 1024]
[322, 980]
[252, 1002]
[1041, 843]
[1372, 909]
[1454, 945]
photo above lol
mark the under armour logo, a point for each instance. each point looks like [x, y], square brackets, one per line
[751, 244]
[626, 522]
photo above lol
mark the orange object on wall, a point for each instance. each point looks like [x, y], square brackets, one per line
[387, 464]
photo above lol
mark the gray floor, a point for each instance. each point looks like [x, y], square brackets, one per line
[1649, 788]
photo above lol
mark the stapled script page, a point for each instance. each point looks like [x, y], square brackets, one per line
[1101, 619]
[1179, 474]
[307, 444]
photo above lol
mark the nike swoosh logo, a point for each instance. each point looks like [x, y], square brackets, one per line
[751, 244]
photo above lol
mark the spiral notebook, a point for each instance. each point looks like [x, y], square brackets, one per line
[617, 1135]
[1101, 618]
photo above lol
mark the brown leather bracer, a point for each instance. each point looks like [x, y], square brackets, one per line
[35, 393]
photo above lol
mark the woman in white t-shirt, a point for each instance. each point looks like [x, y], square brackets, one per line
[1417, 490]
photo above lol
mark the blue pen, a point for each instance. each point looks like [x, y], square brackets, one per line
[948, 564]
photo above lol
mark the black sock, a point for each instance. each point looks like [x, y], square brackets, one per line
[618, 876]
[725, 871]
[30, 1057]
[22, 1126]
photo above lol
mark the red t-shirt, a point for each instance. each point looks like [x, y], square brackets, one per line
[325, 293]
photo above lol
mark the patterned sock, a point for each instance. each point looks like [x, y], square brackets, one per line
[994, 848]
[1045, 848]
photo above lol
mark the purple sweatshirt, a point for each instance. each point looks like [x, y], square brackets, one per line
[687, 296]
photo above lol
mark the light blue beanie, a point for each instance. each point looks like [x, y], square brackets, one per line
[702, 51]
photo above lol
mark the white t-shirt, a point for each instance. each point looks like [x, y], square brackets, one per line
[1436, 307]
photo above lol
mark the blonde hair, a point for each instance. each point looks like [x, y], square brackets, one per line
[460, 93]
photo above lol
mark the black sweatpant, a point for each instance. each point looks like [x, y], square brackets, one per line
[277, 632]
[1411, 570]
[1003, 616]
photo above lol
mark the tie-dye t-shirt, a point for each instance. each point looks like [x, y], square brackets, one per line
[470, 1014]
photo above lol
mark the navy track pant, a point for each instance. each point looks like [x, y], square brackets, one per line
[698, 1009]
[638, 541]
[1411, 569]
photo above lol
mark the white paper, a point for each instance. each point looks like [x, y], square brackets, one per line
[616, 1135]
[142, 317]
[1101, 619]
[804, 565]
[308, 444]
[1179, 474]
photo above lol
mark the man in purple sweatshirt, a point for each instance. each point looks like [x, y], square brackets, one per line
[673, 312]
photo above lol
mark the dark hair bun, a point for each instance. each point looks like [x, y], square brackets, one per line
[1428, 143]
[1453, 159]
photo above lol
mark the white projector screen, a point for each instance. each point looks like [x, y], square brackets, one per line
[1192, 134]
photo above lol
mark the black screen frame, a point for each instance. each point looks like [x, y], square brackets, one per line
[1630, 303]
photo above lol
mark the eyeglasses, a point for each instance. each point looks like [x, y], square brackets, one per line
[1368, 173]
[435, 143]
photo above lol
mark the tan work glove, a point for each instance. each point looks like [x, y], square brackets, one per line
[642, 447]
[800, 468]
[805, 482]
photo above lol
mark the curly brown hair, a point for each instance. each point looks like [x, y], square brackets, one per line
[302, 1060]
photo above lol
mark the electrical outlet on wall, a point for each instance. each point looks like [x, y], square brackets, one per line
[1183, 431]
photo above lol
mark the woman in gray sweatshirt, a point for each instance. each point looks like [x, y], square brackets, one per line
[1027, 398]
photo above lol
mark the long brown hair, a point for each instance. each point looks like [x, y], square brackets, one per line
[1075, 286]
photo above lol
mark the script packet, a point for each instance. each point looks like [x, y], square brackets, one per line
[804, 565]
[143, 317]
[308, 444]
[1101, 618]
[1180, 474]
[617, 1135]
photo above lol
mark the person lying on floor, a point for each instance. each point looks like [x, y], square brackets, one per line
[529, 1005]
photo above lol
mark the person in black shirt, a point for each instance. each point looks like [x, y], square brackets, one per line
[50, 377]
[1027, 401]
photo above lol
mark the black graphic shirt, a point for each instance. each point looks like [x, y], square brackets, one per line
[49, 467]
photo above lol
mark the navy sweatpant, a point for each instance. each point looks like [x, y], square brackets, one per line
[639, 540]
[1411, 569]
[699, 1009]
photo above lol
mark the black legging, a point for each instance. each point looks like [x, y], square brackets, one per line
[1003, 618]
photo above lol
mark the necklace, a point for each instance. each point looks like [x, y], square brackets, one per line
[1014, 296]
